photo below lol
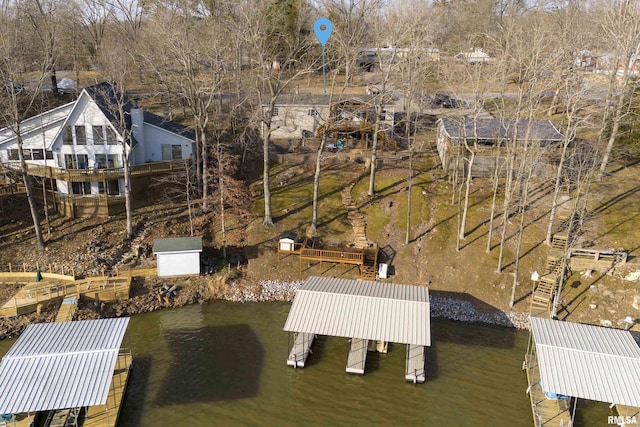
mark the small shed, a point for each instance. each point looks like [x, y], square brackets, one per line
[178, 256]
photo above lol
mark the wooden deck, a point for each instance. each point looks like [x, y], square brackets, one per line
[546, 412]
[630, 412]
[300, 350]
[67, 309]
[357, 356]
[414, 371]
[27, 299]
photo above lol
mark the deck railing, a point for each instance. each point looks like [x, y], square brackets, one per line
[333, 255]
[102, 174]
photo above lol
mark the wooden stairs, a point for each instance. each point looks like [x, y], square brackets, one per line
[369, 268]
[543, 293]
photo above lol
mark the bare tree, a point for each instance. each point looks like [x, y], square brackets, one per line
[16, 103]
[272, 76]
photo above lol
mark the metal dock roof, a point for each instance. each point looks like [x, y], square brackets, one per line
[60, 365]
[366, 310]
[588, 362]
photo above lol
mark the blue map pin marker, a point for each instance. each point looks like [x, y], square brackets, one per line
[323, 27]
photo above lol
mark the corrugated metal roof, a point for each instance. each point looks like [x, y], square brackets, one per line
[588, 362]
[177, 244]
[357, 309]
[490, 129]
[60, 365]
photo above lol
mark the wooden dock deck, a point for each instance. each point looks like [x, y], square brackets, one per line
[107, 415]
[546, 412]
[415, 364]
[300, 350]
[27, 299]
[357, 356]
[67, 309]
[629, 412]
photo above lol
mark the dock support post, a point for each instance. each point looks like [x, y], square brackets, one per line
[10, 271]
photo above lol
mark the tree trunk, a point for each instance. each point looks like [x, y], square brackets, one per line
[505, 210]
[617, 118]
[268, 218]
[556, 192]
[374, 159]
[316, 181]
[407, 237]
[27, 185]
[463, 223]
[496, 177]
[523, 206]
[127, 193]
[205, 166]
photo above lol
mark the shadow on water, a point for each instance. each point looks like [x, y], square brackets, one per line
[133, 404]
[211, 364]
[317, 349]
[431, 368]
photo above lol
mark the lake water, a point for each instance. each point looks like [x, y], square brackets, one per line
[225, 364]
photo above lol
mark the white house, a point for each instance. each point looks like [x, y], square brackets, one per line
[295, 116]
[179, 256]
[80, 143]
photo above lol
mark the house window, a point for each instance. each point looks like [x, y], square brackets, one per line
[112, 139]
[312, 112]
[81, 188]
[98, 134]
[101, 161]
[49, 155]
[171, 152]
[113, 188]
[81, 135]
[60, 161]
[67, 137]
[113, 161]
[13, 154]
[275, 111]
[83, 161]
[26, 154]
[37, 154]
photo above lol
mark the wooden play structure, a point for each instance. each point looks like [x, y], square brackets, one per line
[353, 118]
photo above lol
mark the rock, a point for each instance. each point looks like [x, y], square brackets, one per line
[606, 323]
[636, 302]
[593, 306]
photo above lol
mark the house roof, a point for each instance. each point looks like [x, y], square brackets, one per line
[177, 244]
[60, 365]
[42, 130]
[161, 122]
[588, 362]
[506, 129]
[365, 310]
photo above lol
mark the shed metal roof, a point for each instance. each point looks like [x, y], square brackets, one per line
[177, 244]
[588, 362]
[508, 129]
[60, 365]
[358, 309]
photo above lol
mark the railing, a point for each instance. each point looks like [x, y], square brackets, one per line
[333, 255]
[102, 174]
[89, 200]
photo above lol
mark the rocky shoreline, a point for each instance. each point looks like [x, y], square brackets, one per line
[241, 292]
[441, 307]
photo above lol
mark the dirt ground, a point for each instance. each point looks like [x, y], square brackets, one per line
[430, 259]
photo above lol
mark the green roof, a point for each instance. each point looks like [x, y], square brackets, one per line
[177, 244]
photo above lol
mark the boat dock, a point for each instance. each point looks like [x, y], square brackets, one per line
[415, 364]
[630, 414]
[357, 356]
[363, 312]
[300, 350]
[27, 299]
[67, 309]
[568, 361]
[546, 412]
[107, 415]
